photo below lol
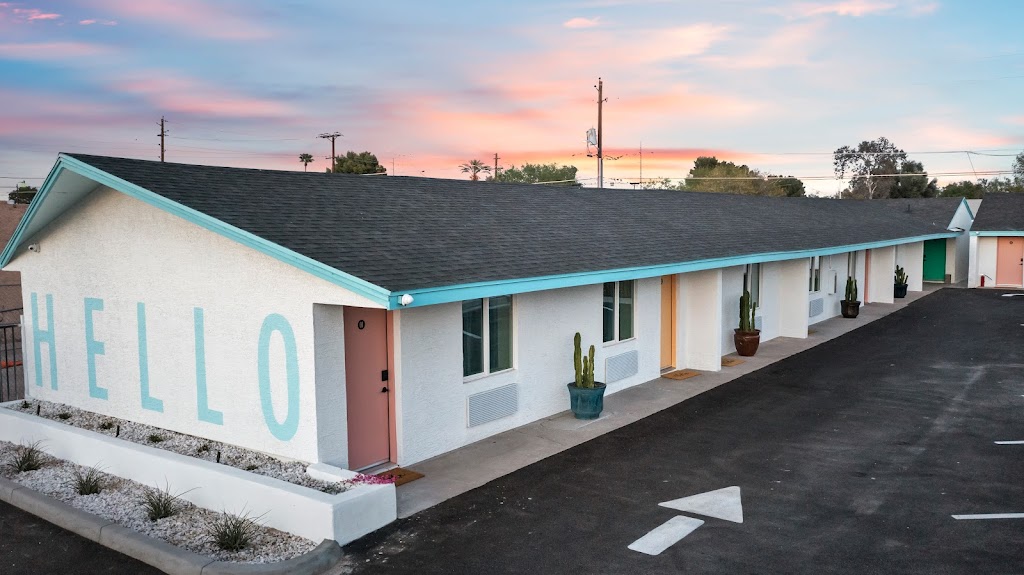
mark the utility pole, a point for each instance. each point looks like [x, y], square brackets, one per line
[496, 158]
[333, 136]
[600, 139]
[163, 132]
[641, 163]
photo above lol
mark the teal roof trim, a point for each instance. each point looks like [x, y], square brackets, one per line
[991, 233]
[449, 294]
[372, 292]
[970, 212]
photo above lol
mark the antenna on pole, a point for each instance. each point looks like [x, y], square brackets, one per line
[331, 136]
[600, 135]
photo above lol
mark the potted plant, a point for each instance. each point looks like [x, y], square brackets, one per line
[586, 396]
[900, 289]
[850, 305]
[747, 337]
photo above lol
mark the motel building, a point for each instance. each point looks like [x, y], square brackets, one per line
[357, 322]
[997, 242]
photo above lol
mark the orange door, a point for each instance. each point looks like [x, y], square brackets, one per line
[1010, 261]
[668, 321]
[367, 386]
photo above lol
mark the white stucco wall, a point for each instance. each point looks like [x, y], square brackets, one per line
[432, 394]
[958, 254]
[123, 252]
[911, 257]
[793, 297]
[880, 282]
[984, 263]
[700, 337]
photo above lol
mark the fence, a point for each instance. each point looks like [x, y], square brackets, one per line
[12, 375]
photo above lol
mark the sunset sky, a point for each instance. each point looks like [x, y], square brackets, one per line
[427, 86]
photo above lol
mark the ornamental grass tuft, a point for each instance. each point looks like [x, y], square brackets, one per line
[27, 457]
[233, 532]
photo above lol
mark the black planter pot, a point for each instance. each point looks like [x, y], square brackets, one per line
[900, 290]
[850, 308]
[586, 402]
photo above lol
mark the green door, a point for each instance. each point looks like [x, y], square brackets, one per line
[934, 260]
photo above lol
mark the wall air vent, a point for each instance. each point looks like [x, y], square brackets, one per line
[621, 366]
[493, 404]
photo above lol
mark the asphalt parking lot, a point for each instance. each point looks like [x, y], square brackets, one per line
[30, 545]
[851, 457]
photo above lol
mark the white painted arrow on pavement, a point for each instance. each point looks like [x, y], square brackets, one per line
[721, 504]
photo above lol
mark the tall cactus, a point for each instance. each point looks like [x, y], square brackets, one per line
[577, 360]
[748, 310]
[588, 377]
[901, 276]
[851, 288]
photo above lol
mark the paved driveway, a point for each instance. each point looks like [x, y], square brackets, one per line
[851, 457]
[29, 545]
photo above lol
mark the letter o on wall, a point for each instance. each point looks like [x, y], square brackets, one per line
[286, 429]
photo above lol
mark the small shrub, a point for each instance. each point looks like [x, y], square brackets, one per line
[160, 503]
[64, 415]
[154, 438]
[233, 532]
[27, 457]
[203, 448]
[88, 482]
[251, 466]
[25, 404]
[107, 425]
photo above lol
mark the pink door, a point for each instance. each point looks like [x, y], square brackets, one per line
[367, 386]
[1010, 261]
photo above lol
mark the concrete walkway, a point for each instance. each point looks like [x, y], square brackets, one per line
[469, 467]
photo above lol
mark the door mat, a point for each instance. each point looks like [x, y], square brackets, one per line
[731, 361]
[400, 475]
[682, 374]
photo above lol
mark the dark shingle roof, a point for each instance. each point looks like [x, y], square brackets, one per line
[936, 211]
[405, 233]
[1000, 213]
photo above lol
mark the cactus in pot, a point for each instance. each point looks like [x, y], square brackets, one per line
[586, 396]
[748, 309]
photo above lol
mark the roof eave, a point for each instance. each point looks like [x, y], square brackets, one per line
[461, 292]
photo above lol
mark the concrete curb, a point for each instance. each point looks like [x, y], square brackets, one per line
[157, 552]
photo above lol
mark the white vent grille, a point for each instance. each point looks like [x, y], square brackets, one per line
[492, 404]
[621, 366]
[817, 307]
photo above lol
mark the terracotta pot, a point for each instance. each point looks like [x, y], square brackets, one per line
[747, 341]
[899, 290]
[850, 308]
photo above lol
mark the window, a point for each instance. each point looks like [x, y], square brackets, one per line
[618, 307]
[814, 281]
[486, 335]
[752, 282]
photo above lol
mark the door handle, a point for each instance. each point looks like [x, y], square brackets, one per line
[383, 390]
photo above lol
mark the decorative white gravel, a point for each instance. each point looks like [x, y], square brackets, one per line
[245, 459]
[121, 501]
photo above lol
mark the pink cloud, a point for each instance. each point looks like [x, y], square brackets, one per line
[32, 14]
[50, 50]
[580, 22]
[91, 21]
[177, 94]
[856, 8]
[789, 46]
[193, 16]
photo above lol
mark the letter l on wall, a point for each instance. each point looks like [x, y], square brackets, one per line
[204, 412]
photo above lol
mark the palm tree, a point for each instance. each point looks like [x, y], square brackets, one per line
[473, 168]
[305, 159]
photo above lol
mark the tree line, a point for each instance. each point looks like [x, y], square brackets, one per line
[875, 169]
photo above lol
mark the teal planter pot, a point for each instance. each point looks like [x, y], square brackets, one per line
[586, 402]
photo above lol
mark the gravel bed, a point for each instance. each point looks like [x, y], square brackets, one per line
[245, 459]
[121, 501]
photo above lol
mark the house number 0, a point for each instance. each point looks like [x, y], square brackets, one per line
[361, 324]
